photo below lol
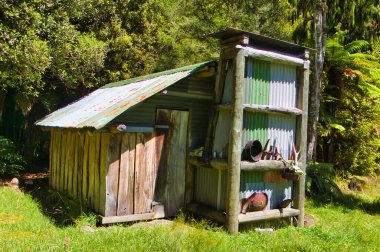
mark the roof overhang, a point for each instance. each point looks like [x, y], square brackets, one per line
[101, 106]
[262, 41]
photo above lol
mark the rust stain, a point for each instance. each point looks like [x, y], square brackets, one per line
[273, 177]
[125, 105]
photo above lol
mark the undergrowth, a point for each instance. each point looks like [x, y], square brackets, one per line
[26, 223]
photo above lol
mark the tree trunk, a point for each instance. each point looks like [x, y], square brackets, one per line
[2, 100]
[320, 8]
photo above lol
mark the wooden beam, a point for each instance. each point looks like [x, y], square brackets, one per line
[271, 109]
[205, 211]
[219, 164]
[126, 218]
[234, 155]
[219, 216]
[301, 138]
[263, 108]
[268, 215]
[157, 214]
[263, 165]
[241, 39]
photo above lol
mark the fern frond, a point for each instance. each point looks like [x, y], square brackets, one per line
[358, 46]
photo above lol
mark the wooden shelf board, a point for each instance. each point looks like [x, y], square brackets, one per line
[272, 109]
[222, 164]
[263, 165]
[263, 108]
[158, 212]
[268, 214]
[219, 216]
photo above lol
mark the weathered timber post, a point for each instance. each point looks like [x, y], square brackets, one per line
[234, 155]
[303, 79]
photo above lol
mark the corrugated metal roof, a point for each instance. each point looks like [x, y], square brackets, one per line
[101, 106]
[262, 41]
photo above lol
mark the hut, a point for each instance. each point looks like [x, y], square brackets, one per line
[148, 147]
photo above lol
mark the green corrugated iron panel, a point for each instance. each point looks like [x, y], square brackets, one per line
[222, 132]
[206, 186]
[257, 80]
[223, 191]
[101, 106]
[228, 83]
[250, 177]
[255, 127]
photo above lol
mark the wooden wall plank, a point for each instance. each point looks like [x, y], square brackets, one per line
[112, 180]
[75, 164]
[91, 170]
[139, 206]
[51, 171]
[177, 162]
[151, 170]
[57, 154]
[144, 172]
[104, 147]
[67, 161]
[127, 174]
[53, 157]
[80, 153]
[85, 168]
[97, 172]
[62, 162]
[70, 163]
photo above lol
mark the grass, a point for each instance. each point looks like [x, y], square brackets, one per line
[25, 226]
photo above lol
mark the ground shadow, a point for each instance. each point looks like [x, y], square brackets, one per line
[333, 194]
[63, 210]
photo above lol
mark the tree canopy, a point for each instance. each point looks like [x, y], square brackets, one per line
[52, 52]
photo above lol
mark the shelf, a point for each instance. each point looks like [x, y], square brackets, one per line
[220, 216]
[263, 165]
[263, 108]
[272, 109]
[222, 164]
[268, 215]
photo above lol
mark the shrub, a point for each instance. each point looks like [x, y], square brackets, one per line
[11, 162]
[321, 180]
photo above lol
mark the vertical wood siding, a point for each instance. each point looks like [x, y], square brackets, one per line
[114, 174]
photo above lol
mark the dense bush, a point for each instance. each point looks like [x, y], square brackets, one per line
[321, 180]
[11, 162]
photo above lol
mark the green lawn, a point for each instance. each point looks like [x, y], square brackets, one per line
[24, 226]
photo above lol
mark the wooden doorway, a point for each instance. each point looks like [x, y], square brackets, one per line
[170, 186]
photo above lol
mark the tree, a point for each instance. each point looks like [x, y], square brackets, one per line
[350, 107]
[320, 9]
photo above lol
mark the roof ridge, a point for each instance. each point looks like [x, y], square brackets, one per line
[154, 75]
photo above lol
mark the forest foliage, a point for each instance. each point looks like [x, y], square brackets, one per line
[53, 52]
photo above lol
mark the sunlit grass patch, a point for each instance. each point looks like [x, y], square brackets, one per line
[338, 227]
